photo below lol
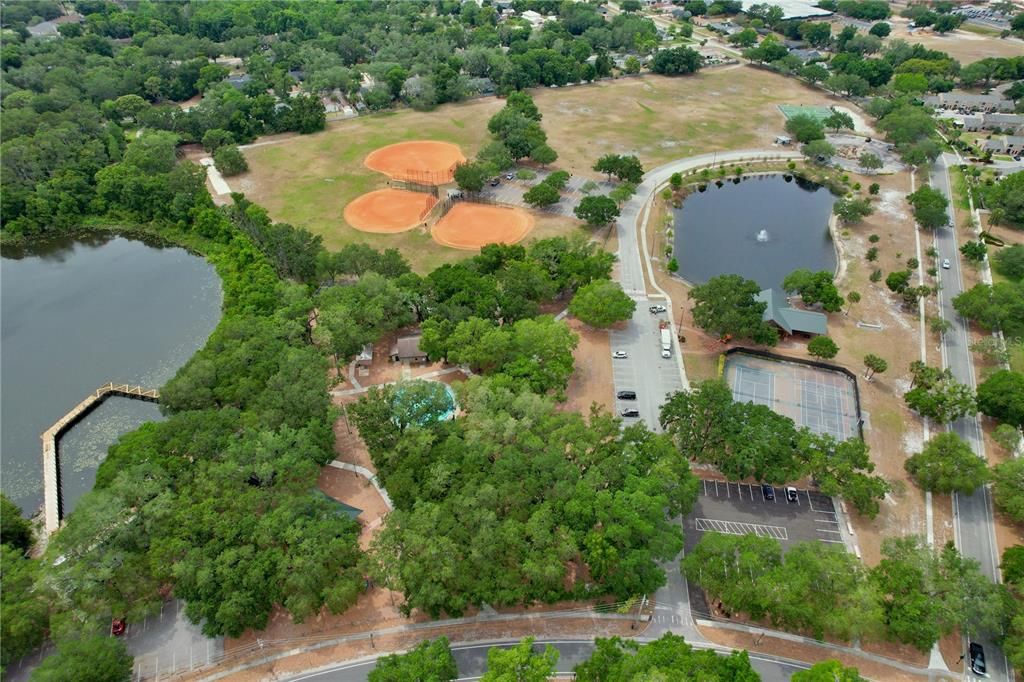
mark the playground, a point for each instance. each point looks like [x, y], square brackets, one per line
[469, 226]
[388, 211]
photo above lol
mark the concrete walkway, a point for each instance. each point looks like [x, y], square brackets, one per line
[368, 475]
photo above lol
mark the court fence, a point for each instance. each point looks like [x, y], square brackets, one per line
[775, 357]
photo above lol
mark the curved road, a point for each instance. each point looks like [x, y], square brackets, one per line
[472, 662]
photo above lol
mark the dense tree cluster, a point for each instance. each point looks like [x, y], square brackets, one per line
[994, 306]
[915, 595]
[726, 306]
[814, 288]
[935, 394]
[745, 440]
[514, 502]
[615, 659]
[1005, 198]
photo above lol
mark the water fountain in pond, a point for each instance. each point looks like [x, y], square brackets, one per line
[762, 236]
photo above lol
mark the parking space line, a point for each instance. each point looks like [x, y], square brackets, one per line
[739, 528]
[836, 542]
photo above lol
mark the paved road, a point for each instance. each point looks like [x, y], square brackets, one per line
[472, 662]
[973, 523]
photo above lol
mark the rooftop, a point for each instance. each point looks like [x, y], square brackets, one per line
[792, 9]
[791, 320]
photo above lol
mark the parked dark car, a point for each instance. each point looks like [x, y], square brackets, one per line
[768, 491]
[631, 412]
[977, 659]
[118, 626]
[626, 395]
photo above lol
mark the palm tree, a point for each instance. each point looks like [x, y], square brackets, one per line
[852, 298]
[874, 365]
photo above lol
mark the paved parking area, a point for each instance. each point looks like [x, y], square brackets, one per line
[644, 371]
[741, 508]
[168, 642]
[511, 192]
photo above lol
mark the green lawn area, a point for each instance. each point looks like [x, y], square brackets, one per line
[1017, 357]
[308, 180]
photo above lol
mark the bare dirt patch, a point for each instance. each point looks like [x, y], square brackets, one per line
[591, 380]
[962, 45]
[386, 211]
[429, 162]
[470, 226]
[806, 652]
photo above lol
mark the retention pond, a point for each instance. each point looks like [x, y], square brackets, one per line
[762, 228]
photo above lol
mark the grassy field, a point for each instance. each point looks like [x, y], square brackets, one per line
[308, 180]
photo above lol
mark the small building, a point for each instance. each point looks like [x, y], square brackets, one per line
[239, 81]
[807, 55]
[726, 28]
[789, 320]
[365, 357]
[1005, 144]
[407, 349]
[44, 29]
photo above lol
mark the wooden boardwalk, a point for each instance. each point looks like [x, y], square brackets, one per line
[53, 510]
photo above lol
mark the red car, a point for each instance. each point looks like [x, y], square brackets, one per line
[118, 626]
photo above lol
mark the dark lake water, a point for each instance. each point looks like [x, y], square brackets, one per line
[76, 313]
[716, 230]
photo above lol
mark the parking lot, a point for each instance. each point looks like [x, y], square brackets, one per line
[742, 508]
[510, 192]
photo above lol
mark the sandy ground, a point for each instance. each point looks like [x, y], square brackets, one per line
[425, 161]
[962, 45]
[470, 226]
[591, 382]
[386, 211]
[806, 652]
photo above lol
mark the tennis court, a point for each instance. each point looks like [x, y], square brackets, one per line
[818, 112]
[823, 400]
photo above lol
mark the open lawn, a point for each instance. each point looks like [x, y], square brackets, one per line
[308, 180]
[660, 119]
[965, 45]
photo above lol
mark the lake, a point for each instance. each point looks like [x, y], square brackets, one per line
[716, 231]
[76, 313]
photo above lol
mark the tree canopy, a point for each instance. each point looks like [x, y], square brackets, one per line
[947, 464]
[601, 304]
[518, 494]
[814, 287]
[668, 657]
[1001, 396]
[430, 661]
[726, 305]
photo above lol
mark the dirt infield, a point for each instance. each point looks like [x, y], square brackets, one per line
[470, 226]
[425, 161]
[388, 210]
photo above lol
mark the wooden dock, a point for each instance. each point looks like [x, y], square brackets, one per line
[53, 508]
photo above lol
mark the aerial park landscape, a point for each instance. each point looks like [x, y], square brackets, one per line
[512, 340]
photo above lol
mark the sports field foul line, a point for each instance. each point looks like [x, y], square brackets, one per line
[737, 528]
